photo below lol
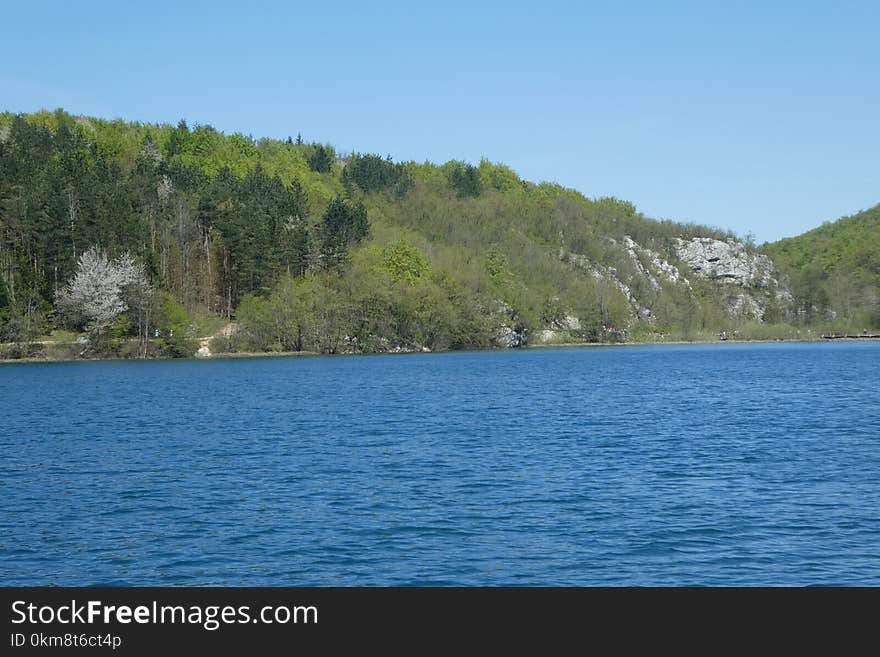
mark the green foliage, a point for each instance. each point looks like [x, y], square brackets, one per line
[115, 337]
[59, 336]
[762, 331]
[244, 145]
[366, 255]
[644, 331]
[616, 205]
[177, 337]
[404, 262]
[371, 173]
[368, 308]
[835, 270]
[301, 314]
[344, 223]
[500, 178]
[497, 267]
[321, 159]
[5, 309]
[465, 179]
[21, 350]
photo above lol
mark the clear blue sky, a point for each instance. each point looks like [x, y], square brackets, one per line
[754, 116]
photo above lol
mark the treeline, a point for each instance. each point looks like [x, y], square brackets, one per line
[304, 248]
[207, 238]
[835, 271]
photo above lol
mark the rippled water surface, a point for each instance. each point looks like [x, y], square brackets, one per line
[723, 464]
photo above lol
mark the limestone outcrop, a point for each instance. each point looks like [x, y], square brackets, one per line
[746, 282]
[726, 262]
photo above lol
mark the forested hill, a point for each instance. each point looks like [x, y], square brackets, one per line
[140, 239]
[835, 269]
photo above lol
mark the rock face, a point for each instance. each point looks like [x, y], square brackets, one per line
[510, 337]
[656, 265]
[569, 322]
[203, 352]
[725, 262]
[509, 332]
[751, 278]
[609, 274]
[561, 328]
[640, 269]
[545, 336]
[745, 282]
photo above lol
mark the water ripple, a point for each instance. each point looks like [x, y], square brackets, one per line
[728, 464]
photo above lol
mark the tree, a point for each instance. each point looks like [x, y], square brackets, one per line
[497, 267]
[102, 289]
[372, 173]
[177, 331]
[177, 139]
[320, 160]
[615, 205]
[404, 262]
[465, 179]
[5, 309]
[344, 223]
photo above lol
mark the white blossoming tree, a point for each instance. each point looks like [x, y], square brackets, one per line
[103, 289]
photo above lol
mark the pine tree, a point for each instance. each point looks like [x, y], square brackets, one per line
[343, 224]
[465, 180]
[320, 161]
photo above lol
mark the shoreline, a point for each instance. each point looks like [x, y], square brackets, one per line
[716, 341]
[561, 345]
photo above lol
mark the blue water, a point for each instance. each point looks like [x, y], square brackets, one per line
[720, 464]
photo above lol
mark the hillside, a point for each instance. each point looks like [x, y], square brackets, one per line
[835, 270]
[309, 249]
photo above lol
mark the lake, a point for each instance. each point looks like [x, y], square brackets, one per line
[726, 464]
